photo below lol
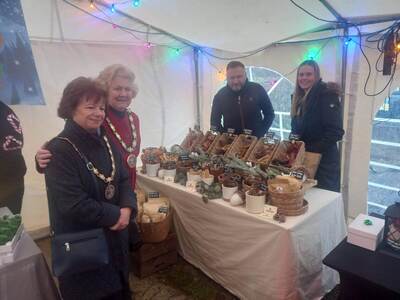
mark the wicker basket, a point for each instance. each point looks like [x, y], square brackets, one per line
[295, 212]
[288, 203]
[155, 232]
[242, 141]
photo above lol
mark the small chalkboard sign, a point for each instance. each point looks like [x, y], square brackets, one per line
[270, 135]
[263, 187]
[231, 130]
[184, 157]
[247, 131]
[213, 128]
[297, 174]
[163, 209]
[153, 195]
[196, 166]
[294, 137]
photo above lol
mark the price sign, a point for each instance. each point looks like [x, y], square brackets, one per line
[294, 137]
[269, 211]
[270, 135]
[298, 175]
[248, 131]
[191, 185]
[153, 195]
[213, 128]
[263, 187]
[169, 179]
[163, 209]
[184, 157]
[231, 130]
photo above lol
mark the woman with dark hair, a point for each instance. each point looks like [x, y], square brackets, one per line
[88, 188]
[317, 120]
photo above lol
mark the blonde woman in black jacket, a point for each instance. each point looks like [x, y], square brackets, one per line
[317, 119]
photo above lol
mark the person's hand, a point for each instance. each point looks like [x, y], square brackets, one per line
[43, 156]
[123, 220]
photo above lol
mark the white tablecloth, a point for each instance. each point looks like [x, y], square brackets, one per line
[250, 255]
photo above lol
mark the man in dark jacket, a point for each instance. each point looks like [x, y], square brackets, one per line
[12, 163]
[241, 104]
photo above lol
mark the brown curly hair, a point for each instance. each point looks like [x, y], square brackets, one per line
[76, 91]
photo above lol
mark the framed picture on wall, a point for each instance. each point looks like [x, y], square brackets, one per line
[19, 81]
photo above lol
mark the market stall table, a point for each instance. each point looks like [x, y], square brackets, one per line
[250, 255]
[28, 277]
[365, 274]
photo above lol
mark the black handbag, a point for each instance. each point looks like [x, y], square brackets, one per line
[78, 252]
[81, 251]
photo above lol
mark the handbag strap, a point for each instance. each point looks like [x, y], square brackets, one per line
[87, 163]
[96, 184]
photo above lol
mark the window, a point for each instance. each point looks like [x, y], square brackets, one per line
[384, 165]
[279, 89]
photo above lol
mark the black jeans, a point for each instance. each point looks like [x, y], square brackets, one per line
[11, 193]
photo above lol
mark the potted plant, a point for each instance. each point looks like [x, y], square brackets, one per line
[206, 177]
[194, 174]
[152, 164]
[255, 200]
[229, 187]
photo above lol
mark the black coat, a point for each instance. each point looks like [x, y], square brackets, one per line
[12, 163]
[320, 127]
[11, 141]
[249, 108]
[71, 192]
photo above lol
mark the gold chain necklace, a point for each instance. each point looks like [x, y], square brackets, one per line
[127, 148]
[90, 165]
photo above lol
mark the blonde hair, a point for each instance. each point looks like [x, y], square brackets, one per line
[111, 72]
[299, 99]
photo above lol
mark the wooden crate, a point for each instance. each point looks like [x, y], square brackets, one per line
[192, 139]
[282, 149]
[243, 139]
[151, 258]
[222, 139]
[270, 149]
[203, 142]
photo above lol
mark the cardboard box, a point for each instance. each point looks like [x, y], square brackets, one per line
[366, 236]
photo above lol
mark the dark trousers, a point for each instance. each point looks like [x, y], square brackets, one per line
[11, 193]
[125, 293]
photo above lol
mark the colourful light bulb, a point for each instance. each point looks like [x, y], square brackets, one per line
[91, 4]
[136, 3]
[221, 75]
[113, 8]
